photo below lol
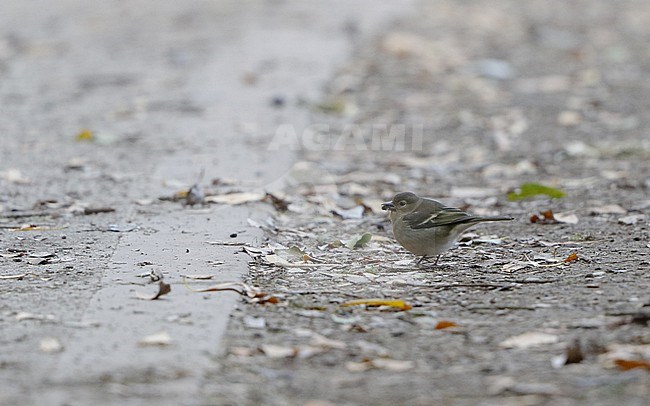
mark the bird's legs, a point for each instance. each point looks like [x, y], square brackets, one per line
[426, 257]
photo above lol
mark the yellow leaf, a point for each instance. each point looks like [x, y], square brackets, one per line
[397, 304]
[85, 135]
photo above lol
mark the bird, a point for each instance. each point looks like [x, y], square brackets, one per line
[426, 227]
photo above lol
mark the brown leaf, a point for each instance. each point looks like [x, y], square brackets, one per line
[545, 217]
[627, 364]
[163, 289]
[572, 257]
[442, 324]
[255, 294]
[279, 204]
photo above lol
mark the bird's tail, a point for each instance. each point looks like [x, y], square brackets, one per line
[494, 218]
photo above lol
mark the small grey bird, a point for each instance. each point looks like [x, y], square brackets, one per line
[426, 227]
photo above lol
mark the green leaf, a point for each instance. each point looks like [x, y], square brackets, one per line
[357, 241]
[533, 189]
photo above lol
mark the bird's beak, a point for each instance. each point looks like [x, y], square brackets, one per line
[388, 206]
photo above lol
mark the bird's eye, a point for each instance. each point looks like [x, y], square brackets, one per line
[402, 203]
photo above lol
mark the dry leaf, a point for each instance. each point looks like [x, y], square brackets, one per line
[278, 351]
[357, 241]
[280, 205]
[548, 217]
[626, 356]
[234, 199]
[318, 340]
[84, 135]
[545, 217]
[163, 289]
[442, 324]
[17, 276]
[243, 289]
[50, 345]
[242, 351]
[13, 175]
[380, 363]
[631, 220]
[158, 339]
[572, 257]
[32, 316]
[627, 364]
[397, 304]
[199, 277]
[529, 339]
[566, 218]
[353, 213]
[608, 209]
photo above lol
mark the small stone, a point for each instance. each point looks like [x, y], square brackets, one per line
[569, 118]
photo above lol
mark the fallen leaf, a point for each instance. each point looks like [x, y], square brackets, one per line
[380, 363]
[625, 356]
[84, 135]
[572, 257]
[12, 254]
[442, 324]
[631, 220]
[278, 351]
[125, 228]
[393, 364]
[199, 276]
[243, 289]
[357, 241]
[17, 276]
[158, 339]
[318, 340]
[242, 351]
[32, 316]
[234, 199]
[353, 213]
[280, 204]
[13, 175]
[397, 304]
[608, 209]
[529, 339]
[534, 189]
[34, 227]
[548, 217]
[627, 364]
[545, 217]
[50, 345]
[163, 289]
[567, 218]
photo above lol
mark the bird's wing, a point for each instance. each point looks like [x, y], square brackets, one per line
[445, 216]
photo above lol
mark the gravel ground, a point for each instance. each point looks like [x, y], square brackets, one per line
[505, 93]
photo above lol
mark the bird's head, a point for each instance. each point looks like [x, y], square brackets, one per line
[403, 202]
